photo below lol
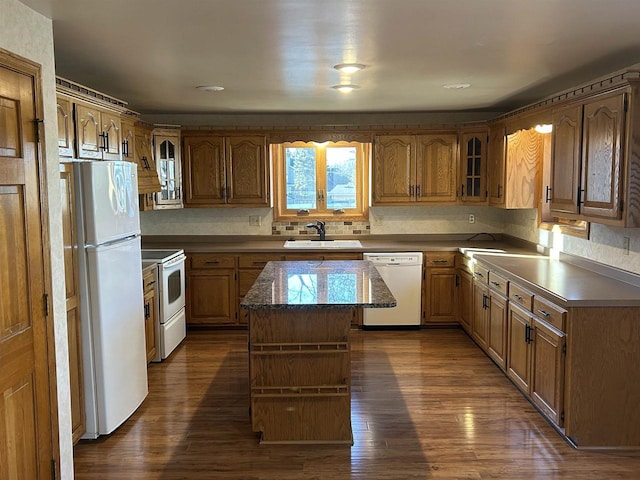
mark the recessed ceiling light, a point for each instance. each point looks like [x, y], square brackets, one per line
[349, 67]
[210, 88]
[345, 88]
[456, 86]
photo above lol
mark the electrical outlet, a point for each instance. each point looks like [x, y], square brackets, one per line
[625, 245]
[472, 218]
[254, 220]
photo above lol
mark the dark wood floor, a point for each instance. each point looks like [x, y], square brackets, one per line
[425, 405]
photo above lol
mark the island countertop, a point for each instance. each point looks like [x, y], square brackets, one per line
[318, 284]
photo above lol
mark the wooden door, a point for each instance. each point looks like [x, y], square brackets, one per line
[247, 167]
[566, 143]
[547, 379]
[128, 142]
[204, 174]
[394, 169]
[473, 168]
[480, 324]
[436, 168]
[519, 351]
[74, 328]
[440, 302]
[497, 337]
[465, 300]
[88, 131]
[496, 164]
[211, 297]
[523, 167]
[602, 138]
[25, 406]
[148, 182]
[111, 135]
[66, 136]
[150, 317]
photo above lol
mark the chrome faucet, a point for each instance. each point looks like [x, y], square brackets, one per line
[319, 226]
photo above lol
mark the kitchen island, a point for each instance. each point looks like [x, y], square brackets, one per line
[299, 354]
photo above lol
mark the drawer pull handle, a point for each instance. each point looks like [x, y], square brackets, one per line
[496, 284]
[440, 261]
[259, 263]
[543, 313]
[211, 262]
[151, 283]
[478, 274]
[517, 297]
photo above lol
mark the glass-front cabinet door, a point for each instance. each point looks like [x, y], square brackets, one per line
[167, 156]
[473, 167]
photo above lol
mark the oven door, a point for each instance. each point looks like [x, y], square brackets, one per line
[172, 295]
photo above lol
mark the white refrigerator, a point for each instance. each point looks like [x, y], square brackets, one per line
[112, 301]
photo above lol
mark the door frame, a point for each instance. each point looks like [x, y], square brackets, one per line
[32, 69]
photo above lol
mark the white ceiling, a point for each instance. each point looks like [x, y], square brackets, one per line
[277, 55]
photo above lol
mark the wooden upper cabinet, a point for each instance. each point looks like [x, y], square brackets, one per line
[204, 175]
[393, 169]
[128, 140]
[523, 169]
[565, 159]
[169, 168]
[473, 167]
[147, 175]
[603, 127]
[496, 164]
[226, 170]
[247, 171]
[66, 134]
[436, 168]
[98, 133]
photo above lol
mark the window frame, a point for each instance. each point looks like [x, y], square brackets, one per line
[360, 213]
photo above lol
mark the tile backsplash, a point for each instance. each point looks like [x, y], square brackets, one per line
[298, 228]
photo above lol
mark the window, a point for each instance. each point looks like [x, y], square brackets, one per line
[321, 180]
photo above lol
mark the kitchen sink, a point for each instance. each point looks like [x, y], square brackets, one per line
[311, 244]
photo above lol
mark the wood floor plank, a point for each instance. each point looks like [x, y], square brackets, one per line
[426, 404]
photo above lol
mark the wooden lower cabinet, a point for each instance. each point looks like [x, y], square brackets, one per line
[519, 359]
[464, 300]
[497, 331]
[150, 289]
[212, 290]
[300, 378]
[439, 306]
[480, 323]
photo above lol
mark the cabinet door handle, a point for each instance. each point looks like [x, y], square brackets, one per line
[103, 137]
[462, 190]
[580, 195]
[418, 191]
[527, 334]
[147, 312]
[457, 280]
[544, 314]
[484, 301]
[411, 190]
[106, 141]
[146, 163]
[499, 191]
[547, 196]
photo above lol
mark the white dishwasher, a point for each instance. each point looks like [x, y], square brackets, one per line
[402, 272]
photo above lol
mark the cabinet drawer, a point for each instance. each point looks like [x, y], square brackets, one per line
[519, 295]
[552, 314]
[498, 283]
[149, 278]
[440, 259]
[481, 274]
[211, 260]
[257, 260]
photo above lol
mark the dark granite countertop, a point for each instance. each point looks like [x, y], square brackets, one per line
[319, 284]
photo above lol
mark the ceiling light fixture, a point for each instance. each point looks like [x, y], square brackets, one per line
[456, 86]
[349, 67]
[210, 88]
[345, 88]
[545, 128]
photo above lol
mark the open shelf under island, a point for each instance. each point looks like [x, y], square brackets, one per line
[299, 354]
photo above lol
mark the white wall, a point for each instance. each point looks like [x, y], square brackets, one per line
[30, 35]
